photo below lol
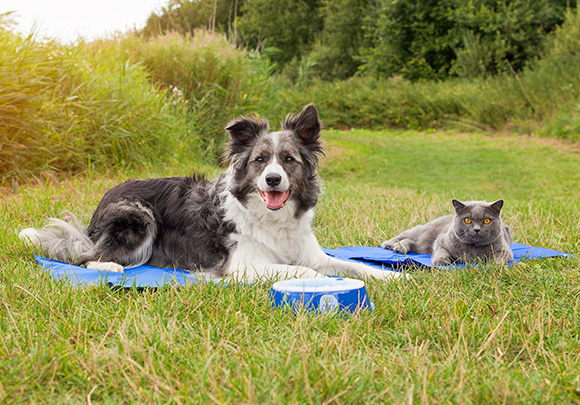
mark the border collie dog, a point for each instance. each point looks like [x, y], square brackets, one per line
[253, 221]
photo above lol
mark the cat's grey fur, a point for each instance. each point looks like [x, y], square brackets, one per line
[452, 239]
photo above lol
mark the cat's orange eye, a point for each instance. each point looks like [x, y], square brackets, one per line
[467, 220]
[487, 221]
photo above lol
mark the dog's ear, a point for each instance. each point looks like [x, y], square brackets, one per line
[243, 131]
[306, 126]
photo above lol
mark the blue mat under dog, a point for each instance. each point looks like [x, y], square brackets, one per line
[149, 276]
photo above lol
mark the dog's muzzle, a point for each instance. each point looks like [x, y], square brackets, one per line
[275, 199]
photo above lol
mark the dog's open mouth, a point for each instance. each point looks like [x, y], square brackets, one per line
[275, 199]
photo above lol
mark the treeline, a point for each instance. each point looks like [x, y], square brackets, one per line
[135, 100]
[337, 39]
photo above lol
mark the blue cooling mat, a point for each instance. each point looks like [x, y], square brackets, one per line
[379, 257]
[140, 276]
[149, 276]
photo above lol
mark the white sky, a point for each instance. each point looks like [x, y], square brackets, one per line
[68, 19]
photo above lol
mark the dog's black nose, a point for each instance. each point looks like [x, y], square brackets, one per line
[273, 180]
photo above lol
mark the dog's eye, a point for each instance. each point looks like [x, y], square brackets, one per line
[467, 220]
[289, 159]
[487, 221]
[260, 159]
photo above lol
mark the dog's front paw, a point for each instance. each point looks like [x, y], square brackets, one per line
[105, 266]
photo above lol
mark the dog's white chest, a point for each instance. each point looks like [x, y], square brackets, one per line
[268, 236]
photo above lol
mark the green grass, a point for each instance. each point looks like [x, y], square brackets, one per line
[465, 166]
[491, 334]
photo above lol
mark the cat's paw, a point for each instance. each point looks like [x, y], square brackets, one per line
[442, 260]
[505, 257]
[387, 245]
[399, 246]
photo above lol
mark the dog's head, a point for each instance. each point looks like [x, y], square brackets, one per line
[276, 166]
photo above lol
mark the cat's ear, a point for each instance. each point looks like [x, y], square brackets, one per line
[458, 205]
[496, 206]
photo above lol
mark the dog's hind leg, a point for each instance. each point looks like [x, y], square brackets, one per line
[123, 232]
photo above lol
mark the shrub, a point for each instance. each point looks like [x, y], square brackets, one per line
[209, 75]
[63, 106]
[121, 101]
[398, 103]
[557, 80]
[288, 27]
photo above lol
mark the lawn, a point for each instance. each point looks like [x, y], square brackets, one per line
[485, 334]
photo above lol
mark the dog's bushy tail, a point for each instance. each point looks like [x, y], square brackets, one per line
[61, 240]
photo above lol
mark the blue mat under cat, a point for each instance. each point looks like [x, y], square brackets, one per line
[149, 276]
[378, 257]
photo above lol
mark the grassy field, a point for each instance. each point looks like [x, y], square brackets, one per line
[491, 334]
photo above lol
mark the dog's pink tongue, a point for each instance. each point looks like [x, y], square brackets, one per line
[274, 199]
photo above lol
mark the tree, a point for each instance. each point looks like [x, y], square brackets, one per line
[413, 39]
[185, 16]
[335, 39]
[336, 50]
[429, 39]
[289, 27]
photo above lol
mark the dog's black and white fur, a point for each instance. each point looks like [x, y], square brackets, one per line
[253, 221]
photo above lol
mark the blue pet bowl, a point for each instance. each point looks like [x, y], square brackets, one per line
[322, 295]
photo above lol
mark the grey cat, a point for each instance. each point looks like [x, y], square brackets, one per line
[475, 232]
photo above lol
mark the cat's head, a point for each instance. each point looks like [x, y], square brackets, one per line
[477, 222]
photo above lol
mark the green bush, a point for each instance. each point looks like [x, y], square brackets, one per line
[209, 75]
[558, 79]
[429, 39]
[419, 40]
[362, 102]
[63, 107]
[336, 50]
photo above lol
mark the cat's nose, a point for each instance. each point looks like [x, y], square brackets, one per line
[476, 230]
